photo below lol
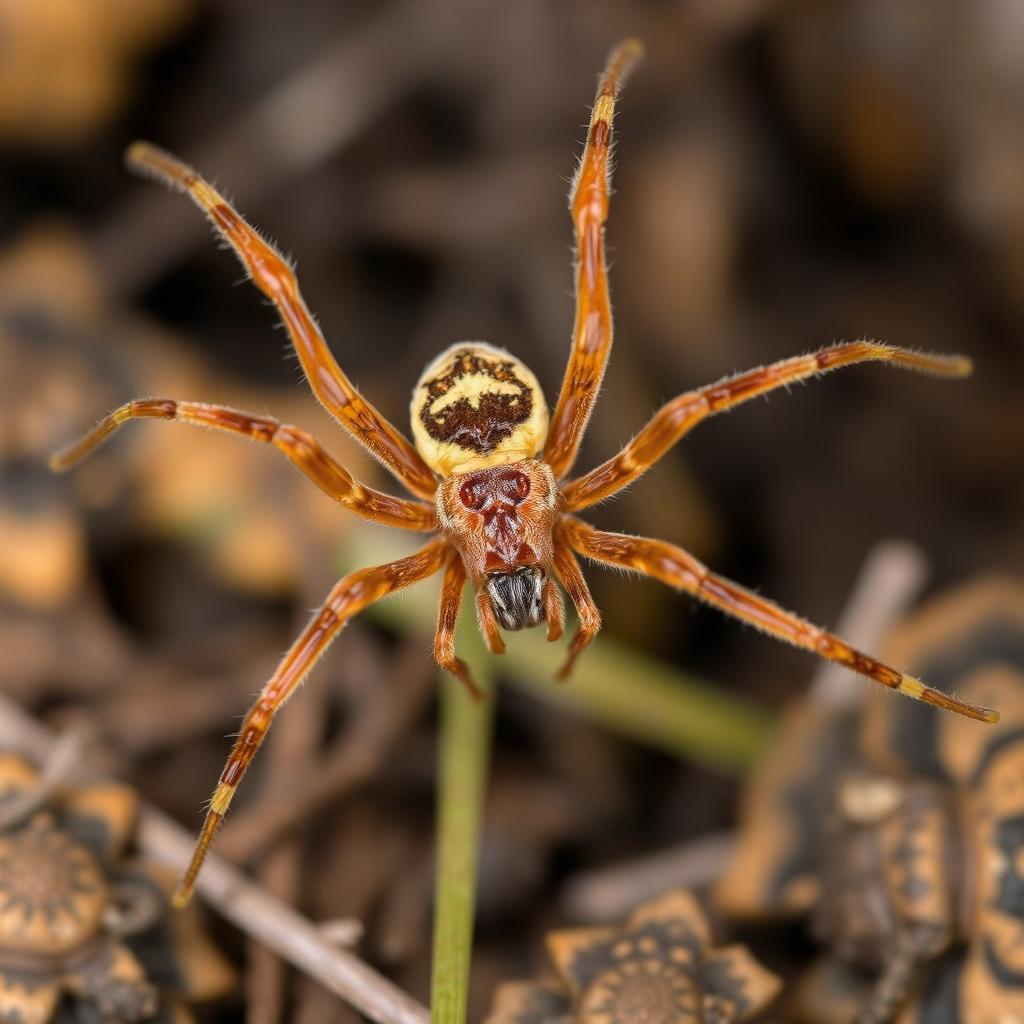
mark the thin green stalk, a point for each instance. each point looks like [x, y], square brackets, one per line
[621, 688]
[464, 751]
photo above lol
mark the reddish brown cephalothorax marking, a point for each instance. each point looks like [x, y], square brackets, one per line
[489, 466]
[503, 516]
[495, 495]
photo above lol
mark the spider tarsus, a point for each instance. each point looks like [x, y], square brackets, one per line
[563, 674]
[150, 160]
[183, 893]
[184, 890]
[955, 366]
[960, 707]
[460, 670]
[621, 62]
[71, 454]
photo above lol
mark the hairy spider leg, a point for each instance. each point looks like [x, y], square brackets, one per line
[348, 597]
[276, 279]
[592, 328]
[301, 448]
[554, 610]
[678, 417]
[489, 622]
[448, 613]
[571, 576]
[679, 569]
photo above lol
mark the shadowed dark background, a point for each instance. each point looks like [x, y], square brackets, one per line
[788, 174]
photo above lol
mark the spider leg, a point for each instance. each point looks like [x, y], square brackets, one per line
[679, 569]
[300, 447]
[348, 597]
[678, 417]
[554, 610]
[489, 622]
[592, 328]
[568, 570]
[444, 639]
[275, 278]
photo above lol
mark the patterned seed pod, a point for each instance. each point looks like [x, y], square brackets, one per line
[81, 930]
[889, 871]
[476, 406]
[661, 968]
[975, 635]
[903, 833]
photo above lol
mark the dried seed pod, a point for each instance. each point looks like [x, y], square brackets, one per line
[905, 835]
[76, 921]
[891, 876]
[661, 967]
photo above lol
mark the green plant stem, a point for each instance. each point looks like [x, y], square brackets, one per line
[464, 751]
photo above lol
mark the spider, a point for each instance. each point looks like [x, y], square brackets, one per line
[489, 466]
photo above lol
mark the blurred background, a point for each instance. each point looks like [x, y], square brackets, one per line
[789, 173]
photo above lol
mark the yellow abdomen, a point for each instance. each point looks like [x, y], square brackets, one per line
[476, 406]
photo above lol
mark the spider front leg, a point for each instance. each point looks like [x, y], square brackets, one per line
[349, 597]
[301, 448]
[554, 610]
[489, 622]
[276, 279]
[679, 569]
[677, 418]
[448, 613]
[592, 328]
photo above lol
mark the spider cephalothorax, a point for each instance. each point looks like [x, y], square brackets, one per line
[501, 520]
[490, 469]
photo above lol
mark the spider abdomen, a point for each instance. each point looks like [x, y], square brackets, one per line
[476, 406]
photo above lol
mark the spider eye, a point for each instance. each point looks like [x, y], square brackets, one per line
[472, 495]
[514, 485]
